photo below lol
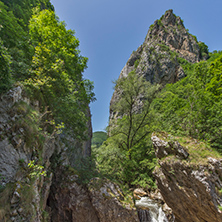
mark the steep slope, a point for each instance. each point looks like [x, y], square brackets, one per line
[189, 178]
[157, 58]
[188, 174]
[28, 157]
[45, 124]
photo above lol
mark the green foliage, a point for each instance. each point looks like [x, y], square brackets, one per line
[127, 155]
[136, 63]
[213, 55]
[164, 47]
[11, 31]
[23, 9]
[15, 39]
[5, 197]
[27, 194]
[187, 67]
[36, 170]
[98, 138]
[195, 38]
[5, 71]
[159, 22]
[56, 74]
[86, 169]
[151, 27]
[204, 51]
[193, 105]
[32, 123]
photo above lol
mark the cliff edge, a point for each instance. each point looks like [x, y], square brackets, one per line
[189, 178]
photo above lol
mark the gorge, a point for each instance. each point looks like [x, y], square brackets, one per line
[48, 169]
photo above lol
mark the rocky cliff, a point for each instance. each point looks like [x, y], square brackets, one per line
[157, 58]
[99, 201]
[189, 178]
[38, 176]
[27, 156]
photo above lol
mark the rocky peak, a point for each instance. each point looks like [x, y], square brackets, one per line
[169, 18]
[170, 30]
[157, 58]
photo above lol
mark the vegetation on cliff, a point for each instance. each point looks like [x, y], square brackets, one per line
[127, 154]
[38, 51]
[193, 106]
[43, 94]
[189, 107]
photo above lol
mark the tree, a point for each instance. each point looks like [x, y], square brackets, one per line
[55, 77]
[132, 125]
[204, 51]
[128, 155]
[5, 72]
[15, 39]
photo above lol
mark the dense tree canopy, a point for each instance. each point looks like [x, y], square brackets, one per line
[98, 138]
[38, 50]
[56, 72]
[127, 155]
[192, 106]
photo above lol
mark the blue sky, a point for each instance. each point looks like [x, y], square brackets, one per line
[109, 30]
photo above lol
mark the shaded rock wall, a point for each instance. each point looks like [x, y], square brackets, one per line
[57, 196]
[24, 198]
[99, 201]
[190, 190]
[70, 201]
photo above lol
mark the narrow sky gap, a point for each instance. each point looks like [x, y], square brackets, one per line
[110, 30]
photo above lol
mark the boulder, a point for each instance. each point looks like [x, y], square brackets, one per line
[191, 190]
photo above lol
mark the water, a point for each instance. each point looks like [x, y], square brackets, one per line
[150, 211]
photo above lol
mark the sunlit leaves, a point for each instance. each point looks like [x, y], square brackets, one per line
[123, 155]
[56, 72]
[5, 71]
[193, 106]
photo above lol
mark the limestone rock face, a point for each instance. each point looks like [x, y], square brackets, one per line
[70, 201]
[170, 31]
[100, 201]
[157, 58]
[23, 198]
[163, 148]
[107, 199]
[190, 190]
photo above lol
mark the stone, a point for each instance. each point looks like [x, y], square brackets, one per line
[165, 148]
[14, 213]
[20, 210]
[107, 195]
[156, 60]
[15, 198]
[194, 188]
[9, 161]
[70, 201]
[99, 201]
[138, 193]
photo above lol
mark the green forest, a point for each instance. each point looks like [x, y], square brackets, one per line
[38, 53]
[190, 108]
[41, 55]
